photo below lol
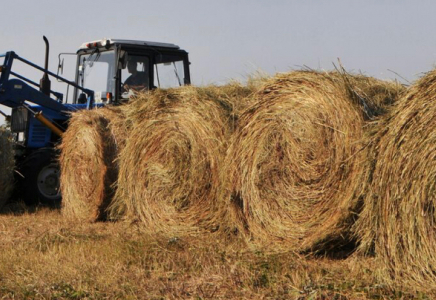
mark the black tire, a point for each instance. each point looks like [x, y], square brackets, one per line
[40, 184]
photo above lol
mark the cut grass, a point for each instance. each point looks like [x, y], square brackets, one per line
[43, 256]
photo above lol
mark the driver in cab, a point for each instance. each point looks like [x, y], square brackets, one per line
[137, 81]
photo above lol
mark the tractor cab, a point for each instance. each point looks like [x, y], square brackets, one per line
[114, 69]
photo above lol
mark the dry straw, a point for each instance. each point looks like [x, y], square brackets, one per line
[7, 165]
[88, 168]
[399, 214]
[169, 169]
[296, 159]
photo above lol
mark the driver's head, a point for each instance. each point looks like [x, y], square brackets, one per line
[132, 66]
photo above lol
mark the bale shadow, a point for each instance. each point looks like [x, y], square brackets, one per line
[17, 207]
[336, 248]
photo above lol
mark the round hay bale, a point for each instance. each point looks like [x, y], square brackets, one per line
[399, 215]
[7, 165]
[169, 169]
[89, 149]
[294, 163]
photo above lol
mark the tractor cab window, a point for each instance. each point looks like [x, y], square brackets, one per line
[169, 71]
[135, 76]
[97, 72]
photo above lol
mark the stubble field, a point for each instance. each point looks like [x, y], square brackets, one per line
[42, 256]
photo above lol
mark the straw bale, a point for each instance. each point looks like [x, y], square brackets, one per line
[169, 169]
[293, 165]
[398, 219]
[7, 165]
[88, 164]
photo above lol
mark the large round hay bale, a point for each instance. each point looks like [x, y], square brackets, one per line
[169, 169]
[296, 159]
[7, 165]
[89, 149]
[399, 213]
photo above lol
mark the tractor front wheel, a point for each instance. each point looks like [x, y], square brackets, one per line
[41, 182]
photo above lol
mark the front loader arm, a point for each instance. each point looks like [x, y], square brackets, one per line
[15, 92]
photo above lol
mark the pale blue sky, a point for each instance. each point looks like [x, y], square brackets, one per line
[232, 39]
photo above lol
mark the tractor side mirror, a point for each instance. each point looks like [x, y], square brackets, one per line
[61, 62]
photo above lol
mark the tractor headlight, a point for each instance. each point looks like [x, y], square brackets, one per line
[19, 118]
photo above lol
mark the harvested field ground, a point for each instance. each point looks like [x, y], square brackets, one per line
[42, 256]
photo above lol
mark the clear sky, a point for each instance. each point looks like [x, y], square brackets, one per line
[230, 39]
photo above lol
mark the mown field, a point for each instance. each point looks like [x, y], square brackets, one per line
[42, 256]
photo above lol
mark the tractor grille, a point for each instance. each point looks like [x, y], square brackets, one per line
[39, 133]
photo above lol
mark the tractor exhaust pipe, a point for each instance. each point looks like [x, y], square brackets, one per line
[45, 84]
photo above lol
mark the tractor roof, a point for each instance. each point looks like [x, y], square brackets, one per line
[104, 42]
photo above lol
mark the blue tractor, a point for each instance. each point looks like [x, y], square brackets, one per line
[108, 72]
